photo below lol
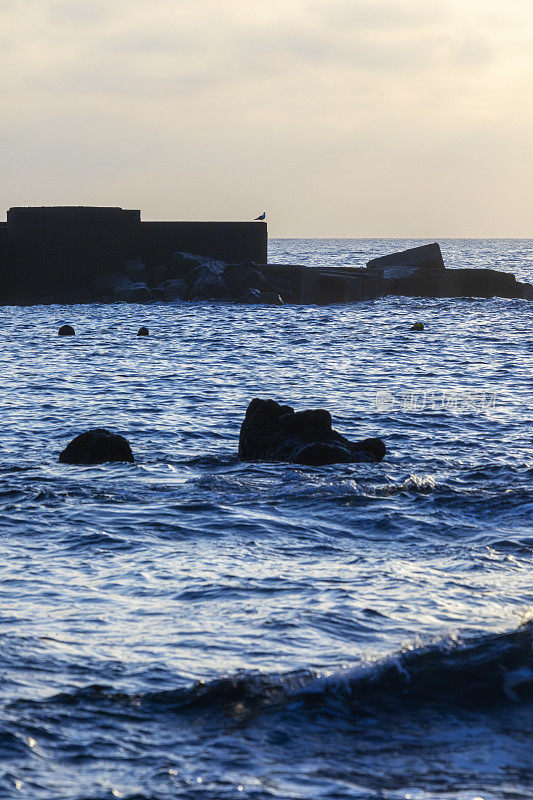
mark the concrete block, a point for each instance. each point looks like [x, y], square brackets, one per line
[373, 285]
[287, 278]
[354, 288]
[60, 248]
[418, 285]
[426, 257]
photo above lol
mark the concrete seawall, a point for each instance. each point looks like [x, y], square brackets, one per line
[62, 249]
[227, 241]
[58, 252]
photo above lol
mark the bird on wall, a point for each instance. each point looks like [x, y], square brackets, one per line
[261, 217]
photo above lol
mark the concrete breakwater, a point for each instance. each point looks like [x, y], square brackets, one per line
[66, 253]
[86, 254]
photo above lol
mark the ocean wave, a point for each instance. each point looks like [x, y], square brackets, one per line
[417, 484]
[477, 673]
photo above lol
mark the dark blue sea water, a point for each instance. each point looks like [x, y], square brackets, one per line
[190, 626]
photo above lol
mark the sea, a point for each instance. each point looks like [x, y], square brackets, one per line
[190, 626]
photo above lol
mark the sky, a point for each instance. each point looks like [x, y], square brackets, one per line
[349, 118]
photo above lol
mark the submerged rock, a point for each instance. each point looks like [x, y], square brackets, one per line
[143, 331]
[66, 330]
[418, 326]
[274, 432]
[97, 446]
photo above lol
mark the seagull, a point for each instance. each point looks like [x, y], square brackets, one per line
[261, 217]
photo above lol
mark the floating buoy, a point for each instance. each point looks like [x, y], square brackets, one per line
[66, 330]
[143, 331]
[418, 326]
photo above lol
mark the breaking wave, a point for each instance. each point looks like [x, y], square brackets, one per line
[477, 673]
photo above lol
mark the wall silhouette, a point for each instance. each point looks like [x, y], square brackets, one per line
[48, 252]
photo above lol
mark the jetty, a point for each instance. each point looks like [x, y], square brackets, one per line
[82, 254]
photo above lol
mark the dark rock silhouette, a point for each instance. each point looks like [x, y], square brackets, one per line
[183, 263]
[113, 285]
[272, 298]
[139, 293]
[172, 289]
[136, 270]
[418, 326]
[162, 273]
[195, 277]
[118, 286]
[416, 272]
[256, 296]
[66, 330]
[274, 432]
[207, 283]
[420, 272]
[210, 290]
[84, 254]
[239, 277]
[143, 331]
[97, 446]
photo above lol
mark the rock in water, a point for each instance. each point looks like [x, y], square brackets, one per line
[418, 326]
[66, 330]
[143, 331]
[272, 432]
[97, 446]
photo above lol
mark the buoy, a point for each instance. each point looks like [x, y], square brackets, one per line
[143, 331]
[418, 326]
[66, 330]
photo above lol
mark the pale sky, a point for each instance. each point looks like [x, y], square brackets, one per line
[338, 117]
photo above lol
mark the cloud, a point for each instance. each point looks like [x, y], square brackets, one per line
[379, 15]
[177, 44]
[77, 14]
[240, 96]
